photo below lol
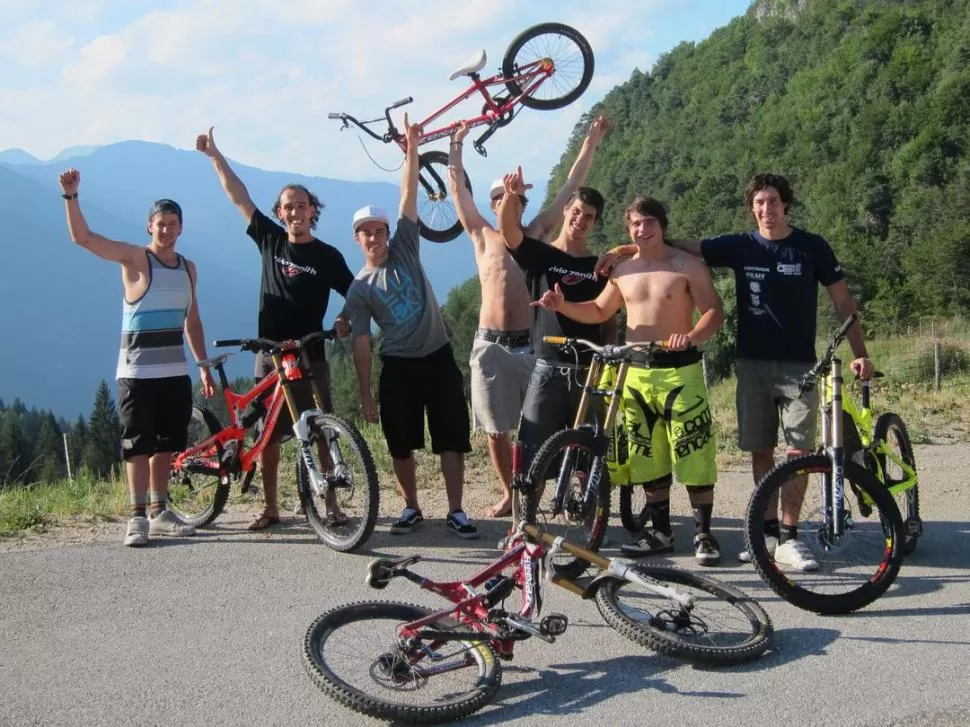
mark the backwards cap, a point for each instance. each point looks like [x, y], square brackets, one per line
[160, 206]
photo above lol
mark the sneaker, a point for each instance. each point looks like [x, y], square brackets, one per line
[770, 540]
[706, 549]
[797, 555]
[137, 533]
[650, 542]
[168, 523]
[410, 519]
[458, 523]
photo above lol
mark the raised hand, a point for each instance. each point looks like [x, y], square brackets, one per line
[70, 181]
[551, 299]
[599, 128]
[461, 132]
[515, 184]
[412, 132]
[206, 143]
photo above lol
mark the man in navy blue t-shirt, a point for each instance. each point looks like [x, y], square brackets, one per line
[777, 270]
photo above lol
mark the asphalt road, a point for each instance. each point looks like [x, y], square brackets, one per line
[209, 631]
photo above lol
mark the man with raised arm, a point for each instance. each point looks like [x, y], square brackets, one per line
[553, 394]
[665, 408]
[298, 273]
[501, 360]
[419, 374]
[777, 271]
[154, 389]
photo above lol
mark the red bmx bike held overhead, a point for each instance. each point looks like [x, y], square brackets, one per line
[547, 66]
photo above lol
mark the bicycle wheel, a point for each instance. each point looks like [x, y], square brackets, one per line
[195, 492]
[570, 460]
[570, 55]
[354, 654]
[353, 479]
[852, 570]
[724, 626]
[437, 216]
[891, 430]
[633, 507]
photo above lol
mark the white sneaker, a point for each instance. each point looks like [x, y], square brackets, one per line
[797, 555]
[137, 533]
[770, 540]
[168, 523]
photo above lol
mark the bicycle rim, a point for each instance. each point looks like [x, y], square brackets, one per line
[437, 216]
[569, 464]
[351, 472]
[853, 569]
[196, 494]
[891, 430]
[723, 626]
[570, 56]
[353, 653]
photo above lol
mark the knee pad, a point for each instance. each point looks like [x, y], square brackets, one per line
[702, 489]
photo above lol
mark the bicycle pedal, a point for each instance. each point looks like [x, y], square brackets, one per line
[913, 527]
[555, 624]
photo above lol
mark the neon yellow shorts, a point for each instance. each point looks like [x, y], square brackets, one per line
[663, 427]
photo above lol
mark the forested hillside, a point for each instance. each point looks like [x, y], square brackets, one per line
[863, 104]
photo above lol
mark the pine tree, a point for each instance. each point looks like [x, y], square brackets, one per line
[76, 440]
[48, 451]
[103, 442]
[13, 460]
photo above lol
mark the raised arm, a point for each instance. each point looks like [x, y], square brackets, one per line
[609, 259]
[196, 335]
[235, 190]
[598, 310]
[113, 250]
[468, 214]
[509, 211]
[551, 215]
[409, 182]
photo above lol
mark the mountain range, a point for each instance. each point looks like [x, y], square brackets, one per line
[61, 310]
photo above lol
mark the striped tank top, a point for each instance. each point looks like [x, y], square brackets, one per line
[152, 327]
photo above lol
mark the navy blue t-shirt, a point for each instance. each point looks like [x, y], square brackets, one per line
[777, 290]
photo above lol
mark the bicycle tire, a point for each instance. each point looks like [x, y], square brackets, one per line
[572, 48]
[193, 504]
[358, 494]
[842, 582]
[437, 217]
[333, 680]
[890, 429]
[633, 517]
[574, 517]
[654, 621]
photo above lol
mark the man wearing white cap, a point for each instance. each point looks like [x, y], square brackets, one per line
[502, 359]
[419, 373]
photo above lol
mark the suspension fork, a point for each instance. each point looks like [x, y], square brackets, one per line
[834, 490]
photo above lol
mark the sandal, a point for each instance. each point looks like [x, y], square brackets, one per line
[263, 521]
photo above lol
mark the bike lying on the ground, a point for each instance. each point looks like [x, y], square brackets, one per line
[547, 66]
[218, 456]
[843, 497]
[398, 661]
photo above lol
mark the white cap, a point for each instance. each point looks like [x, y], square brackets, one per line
[370, 213]
[497, 189]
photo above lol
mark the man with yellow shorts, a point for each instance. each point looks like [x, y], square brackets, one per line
[667, 420]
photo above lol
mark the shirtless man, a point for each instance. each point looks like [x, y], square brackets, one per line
[501, 358]
[665, 408]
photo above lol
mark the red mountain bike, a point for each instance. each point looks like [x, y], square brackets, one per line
[547, 66]
[218, 456]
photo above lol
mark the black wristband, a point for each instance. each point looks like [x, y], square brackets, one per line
[70, 196]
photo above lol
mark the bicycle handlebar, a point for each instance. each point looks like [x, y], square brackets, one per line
[264, 344]
[808, 380]
[608, 350]
[401, 102]
[336, 116]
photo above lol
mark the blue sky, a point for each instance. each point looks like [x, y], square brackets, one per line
[266, 73]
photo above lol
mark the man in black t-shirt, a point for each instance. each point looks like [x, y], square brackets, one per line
[298, 273]
[777, 271]
[555, 387]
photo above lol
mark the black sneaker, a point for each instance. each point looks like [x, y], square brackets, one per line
[409, 521]
[706, 549]
[458, 523]
[650, 542]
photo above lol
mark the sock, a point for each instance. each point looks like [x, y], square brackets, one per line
[772, 528]
[659, 512]
[137, 509]
[702, 518]
[158, 503]
[788, 532]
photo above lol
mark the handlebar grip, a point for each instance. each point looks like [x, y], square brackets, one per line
[228, 342]
[335, 116]
[555, 340]
[401, 102]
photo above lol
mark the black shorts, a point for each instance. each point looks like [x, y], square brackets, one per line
[155, 415]
[302, 394]
[408, 387]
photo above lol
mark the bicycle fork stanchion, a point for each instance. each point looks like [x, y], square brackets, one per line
[835, 490]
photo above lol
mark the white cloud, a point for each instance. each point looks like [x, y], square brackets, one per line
[35, 44]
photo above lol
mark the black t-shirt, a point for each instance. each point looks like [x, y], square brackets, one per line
[544, 266]
[294, 290]
[777, 290]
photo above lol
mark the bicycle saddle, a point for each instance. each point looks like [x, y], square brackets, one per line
[472, 65]
[214, 360]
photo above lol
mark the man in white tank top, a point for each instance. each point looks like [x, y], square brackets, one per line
[154, 390]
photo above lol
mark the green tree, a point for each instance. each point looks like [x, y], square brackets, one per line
[13, 448]
[48, 453]
[102, 445]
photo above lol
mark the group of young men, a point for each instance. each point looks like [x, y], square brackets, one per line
[537, 279]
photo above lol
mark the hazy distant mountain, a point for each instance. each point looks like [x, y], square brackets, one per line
[17, 156]
[61, 307]
[73, 152]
